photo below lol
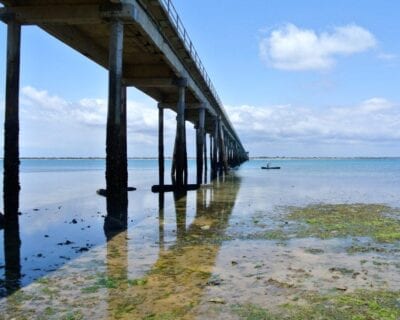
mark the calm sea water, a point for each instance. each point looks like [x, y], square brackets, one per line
[55, 193]
[52, 181]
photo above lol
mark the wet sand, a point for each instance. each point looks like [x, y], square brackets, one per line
[206, 255]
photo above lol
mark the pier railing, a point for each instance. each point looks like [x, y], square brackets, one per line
[183, 34]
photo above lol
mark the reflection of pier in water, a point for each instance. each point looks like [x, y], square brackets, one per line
[175, 283]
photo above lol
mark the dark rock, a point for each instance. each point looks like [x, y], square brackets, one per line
[66, 243]
[36, 209]
[46, 235]
[74, 221]
[83, 249]
[102, 192]
[39, 255]
[214, 282]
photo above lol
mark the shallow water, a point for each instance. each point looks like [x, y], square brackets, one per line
[199, 256]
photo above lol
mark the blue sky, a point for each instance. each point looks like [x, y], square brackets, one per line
[298, 78]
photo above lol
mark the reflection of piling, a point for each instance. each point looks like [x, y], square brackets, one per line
[12, 245]
[161, 203]
[180, 200]
[178, 278]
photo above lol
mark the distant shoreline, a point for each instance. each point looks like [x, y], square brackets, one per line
[192, 158]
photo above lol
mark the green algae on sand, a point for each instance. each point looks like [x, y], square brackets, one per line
[359, 305]
[380, 222]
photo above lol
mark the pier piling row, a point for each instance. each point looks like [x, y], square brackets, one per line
[142, 44]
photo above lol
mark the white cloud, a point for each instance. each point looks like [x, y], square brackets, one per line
[293, 48]
[52, 126]
[375, 119]
[91, 112]
[60, 125]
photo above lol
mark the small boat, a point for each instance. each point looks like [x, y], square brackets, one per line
[268, 167]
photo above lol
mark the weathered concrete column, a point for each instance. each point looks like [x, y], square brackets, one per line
[205, 157]
[11, 185]
[116, 166]
[224, 149]
[211, 155]
[123, 136]
[221, 149]
[214, 165]
[179, 172]
[200, 144]
[161, 144]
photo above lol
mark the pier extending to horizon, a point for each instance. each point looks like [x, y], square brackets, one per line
[142, 43]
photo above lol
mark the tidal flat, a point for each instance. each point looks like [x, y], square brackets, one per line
[281, 245]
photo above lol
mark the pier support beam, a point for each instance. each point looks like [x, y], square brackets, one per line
[205, 158]
[161, 144]
[200, 144]
[179, 166]
[116, 163]
[223, 167]
[11, 184]
[214, 161]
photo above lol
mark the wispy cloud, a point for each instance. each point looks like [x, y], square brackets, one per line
[387, 56]
[292, 48]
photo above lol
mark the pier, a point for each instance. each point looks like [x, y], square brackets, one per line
[142, 44]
